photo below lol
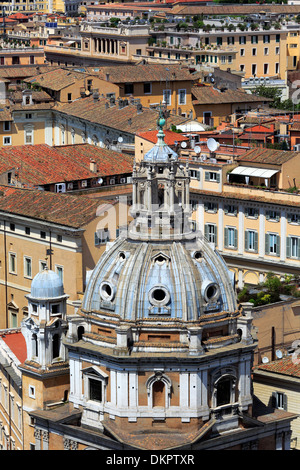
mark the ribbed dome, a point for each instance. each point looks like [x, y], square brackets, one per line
[47, 284]
[168, 279]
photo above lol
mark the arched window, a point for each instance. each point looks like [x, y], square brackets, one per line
[80, 332]
[224, 387]
[158, 393]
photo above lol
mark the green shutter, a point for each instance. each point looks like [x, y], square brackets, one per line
[267, 244]
[278, 245]
[298, 248]
[207, 176]
[256, 242]
[246, 240]
[218, 177]
[235, 238]
[216, 235]
[226, 237]
[285, 402]
[206, 231]
[267, 215]
[288, 247]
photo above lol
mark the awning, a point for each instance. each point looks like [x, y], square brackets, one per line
[254, 172]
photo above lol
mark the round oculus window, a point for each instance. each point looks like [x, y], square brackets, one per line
[159, 295]
[106, 291]
[211, 292]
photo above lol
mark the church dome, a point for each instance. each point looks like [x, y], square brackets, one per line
[178, 280]
[46, 285]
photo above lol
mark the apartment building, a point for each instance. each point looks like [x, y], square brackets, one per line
[21, 56]
[12, 353]
[247, 210]
[153, 84]
[276, 384]
[257, 53]
[65, 232]
[29, 6]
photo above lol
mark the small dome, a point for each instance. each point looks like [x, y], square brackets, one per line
[47, 284]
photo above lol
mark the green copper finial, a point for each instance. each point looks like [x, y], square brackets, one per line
[160, 124]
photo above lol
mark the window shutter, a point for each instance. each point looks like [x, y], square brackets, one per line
[226, 209]
[267, 244]
[288, 247]
[256, 213]
[218, 177]
[226, 237]
[298, 248]
[256, 242]
[206, 176]
[278, 245]
[206, 229]
[274, 400]
[246, 240]
[205, 206]
[198, 175]
[267, 215]
[235, 211]
[246, 211]
[277, 217]
[285, 402]
[235, 238]
[289, 218]
[216, 235]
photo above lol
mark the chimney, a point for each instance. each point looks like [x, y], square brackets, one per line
[107, 77]
[93, 166]
[96, 94]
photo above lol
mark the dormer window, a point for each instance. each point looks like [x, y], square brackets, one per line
[27, 98]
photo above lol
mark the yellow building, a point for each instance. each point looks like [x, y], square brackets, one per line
[29, 6]
[153, 84]
[259, 53]
[276, 384]
[41, 228]
[256, 227]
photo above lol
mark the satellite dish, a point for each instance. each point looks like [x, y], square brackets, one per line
[265, 360]
[120, 139]
[197, 149]
[212, 144]
[279, 354]
[183, 145]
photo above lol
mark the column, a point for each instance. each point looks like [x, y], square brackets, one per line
[283, 236]
[241, 231]
[220, 241]
[261, 241]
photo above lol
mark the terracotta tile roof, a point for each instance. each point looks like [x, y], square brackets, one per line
[269, 156]
[211, 95]
[68, 210]
[37, 96]
[41, 164]
[23, 71]
[170, 137]
[108, 162]
[126, 119]
[285, 366]
[16, 343]
[145, 73]
[57, 79]
[5, 114]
